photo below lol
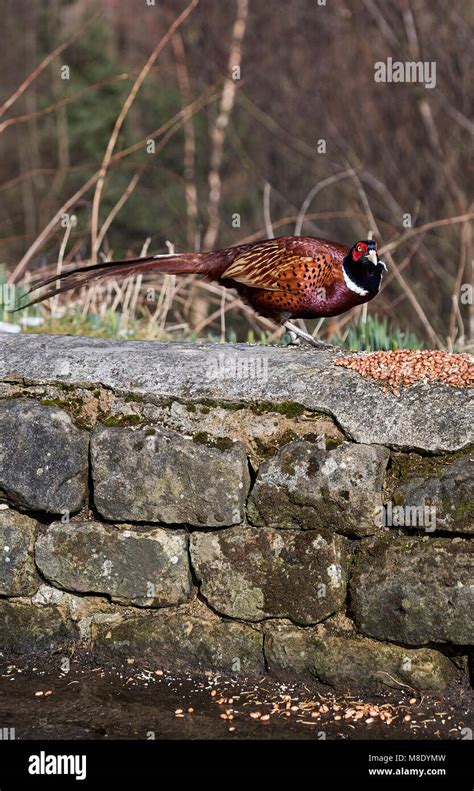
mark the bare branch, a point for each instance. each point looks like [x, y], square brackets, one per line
[266, 211]
[189, 142]
[222, 121]
[44, 63]
[121, 118]
[312, 194]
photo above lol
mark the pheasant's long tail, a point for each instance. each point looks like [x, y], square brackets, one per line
[208, 265]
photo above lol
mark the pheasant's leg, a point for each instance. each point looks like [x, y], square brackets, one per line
[295, 340]
[297, 335]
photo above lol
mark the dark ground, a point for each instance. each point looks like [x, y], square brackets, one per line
[132, 702]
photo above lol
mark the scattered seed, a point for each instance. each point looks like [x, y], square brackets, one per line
[404, 367]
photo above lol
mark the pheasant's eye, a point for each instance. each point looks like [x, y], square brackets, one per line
[359, 248]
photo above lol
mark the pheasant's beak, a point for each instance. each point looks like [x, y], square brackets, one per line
[372, 257]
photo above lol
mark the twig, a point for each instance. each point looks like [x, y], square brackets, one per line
[51, 108]
[120, 203]
[221, 124]
[382, 23]
[38, 242]
[266, 211]
[387, 248]
[312, 194]
[120, 120]
[48, 228]
[55, 300]
[44, 63]
[455, 312]
[189, 143]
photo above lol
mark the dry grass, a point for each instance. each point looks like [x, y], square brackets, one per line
[159, 308]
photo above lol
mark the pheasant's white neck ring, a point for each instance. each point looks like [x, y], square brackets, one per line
[353, 286]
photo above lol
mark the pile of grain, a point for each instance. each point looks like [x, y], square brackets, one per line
[406, 366]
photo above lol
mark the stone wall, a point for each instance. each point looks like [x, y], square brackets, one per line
[240, 509]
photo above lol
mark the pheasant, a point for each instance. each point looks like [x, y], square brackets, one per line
[286, 278]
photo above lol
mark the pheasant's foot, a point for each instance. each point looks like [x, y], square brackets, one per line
[295, 340]
[297, 335]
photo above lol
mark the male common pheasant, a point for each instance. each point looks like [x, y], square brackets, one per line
[286, 278]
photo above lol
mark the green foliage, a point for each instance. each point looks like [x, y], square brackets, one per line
[376, 334]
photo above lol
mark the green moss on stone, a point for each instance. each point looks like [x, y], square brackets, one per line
[203, 438]
[288, 467]
[332, 442]
[59, 402]
[414, 465]
[122, 420]
[288, 408]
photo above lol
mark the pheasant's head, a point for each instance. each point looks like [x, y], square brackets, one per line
[363, 269]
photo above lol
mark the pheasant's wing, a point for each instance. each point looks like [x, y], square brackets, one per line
[277, 266]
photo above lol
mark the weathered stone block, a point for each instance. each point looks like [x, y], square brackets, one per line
[132, 567]
[18, 576]
[428, 416]
[183, 639]
[305, 486]
[148, 475]
[415, 590]
[25, 628]
[353, 662]
[43, 457]
[450, 493]
[255, 573]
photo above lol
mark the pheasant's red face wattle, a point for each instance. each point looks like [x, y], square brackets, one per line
[359, 250]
